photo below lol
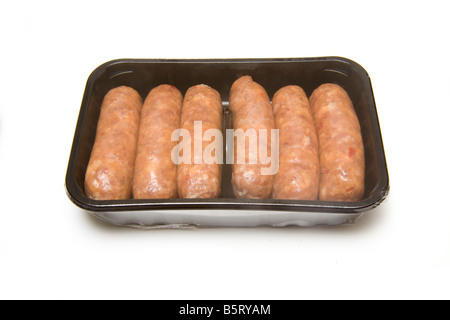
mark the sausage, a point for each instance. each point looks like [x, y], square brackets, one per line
[251, 109]
[299, 171]
[340, 142]
[202, 109]
[155, 172]
[110, 169]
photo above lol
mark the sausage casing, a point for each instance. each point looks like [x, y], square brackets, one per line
[155, 172]
[299, 171]
[202, 105]
[110, 169]
[340, 142]
[251, 110]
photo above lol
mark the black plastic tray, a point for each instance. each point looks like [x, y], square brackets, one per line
[272, 74]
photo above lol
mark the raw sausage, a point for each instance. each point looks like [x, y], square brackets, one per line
[110, 169]
[155, 172]
[202, 109]
[340, 142]
[299, 172]
[251, 110]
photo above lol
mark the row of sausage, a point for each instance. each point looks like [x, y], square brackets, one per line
[321, 152]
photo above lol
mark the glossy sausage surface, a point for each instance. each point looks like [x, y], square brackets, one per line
[340, 142]
[155, 172]
[299, 171]
[251, 110]
[111, 166]
[201, 111]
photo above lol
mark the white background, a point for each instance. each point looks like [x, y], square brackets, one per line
[50, 249]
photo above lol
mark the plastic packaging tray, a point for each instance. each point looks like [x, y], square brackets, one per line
[228, 211]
